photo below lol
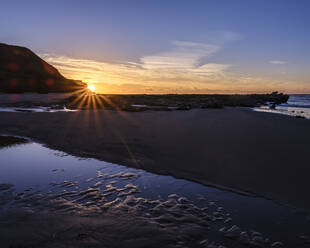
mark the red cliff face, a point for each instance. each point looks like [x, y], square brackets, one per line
[21, 70]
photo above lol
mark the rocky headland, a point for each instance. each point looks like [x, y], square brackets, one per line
[21, 70]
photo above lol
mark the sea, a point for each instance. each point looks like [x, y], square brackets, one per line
[297, 106]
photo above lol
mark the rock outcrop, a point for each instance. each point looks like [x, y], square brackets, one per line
[21, 71]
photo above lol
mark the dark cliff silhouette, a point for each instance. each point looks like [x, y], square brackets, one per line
[21, 71]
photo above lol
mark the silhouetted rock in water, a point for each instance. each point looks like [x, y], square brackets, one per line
[21, 71]
[278, 98]
[277, 245]
[273, 106]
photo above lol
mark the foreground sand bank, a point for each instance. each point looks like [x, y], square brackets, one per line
[263, 153]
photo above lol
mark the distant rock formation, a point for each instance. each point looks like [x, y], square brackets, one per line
[21, 71]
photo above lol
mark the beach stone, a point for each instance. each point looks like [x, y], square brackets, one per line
[254, 233]
[204, 242]
[219, 218]
[273, 106]
[233, 232]
[68, 184]
[216, 214]
[204, 209]
[212, 204]
[258, 239]
[97, 184]
[244, 238]
[277, 244]
[183, 200]
[128, 175]
[228, 220]
[173, 196]
[267, 241]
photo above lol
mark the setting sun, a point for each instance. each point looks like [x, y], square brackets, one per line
[91, 87]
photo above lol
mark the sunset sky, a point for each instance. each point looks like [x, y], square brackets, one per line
[166, 46]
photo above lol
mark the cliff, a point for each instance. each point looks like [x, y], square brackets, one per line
[21, 70]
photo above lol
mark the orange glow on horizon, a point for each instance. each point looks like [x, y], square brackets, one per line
[143, 78]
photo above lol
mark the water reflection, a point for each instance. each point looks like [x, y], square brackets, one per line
[297, 106]
[44, 178]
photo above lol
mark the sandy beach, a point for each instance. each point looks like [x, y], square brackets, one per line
[251, 152]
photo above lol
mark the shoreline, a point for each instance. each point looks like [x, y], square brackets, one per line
[302, 115]
[153, 149]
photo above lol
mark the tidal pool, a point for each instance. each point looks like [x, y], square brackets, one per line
[38, 179]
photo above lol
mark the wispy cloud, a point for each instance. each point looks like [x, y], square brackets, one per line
[182, 62]
[184, 59]
[180, 69]
[183, 55]
[278, 62]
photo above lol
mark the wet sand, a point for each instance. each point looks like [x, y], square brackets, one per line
[261, 153]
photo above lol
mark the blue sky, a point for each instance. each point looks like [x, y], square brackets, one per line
[264, 44]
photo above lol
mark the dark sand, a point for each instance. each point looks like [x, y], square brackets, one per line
[262, 153]
[33, 230]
